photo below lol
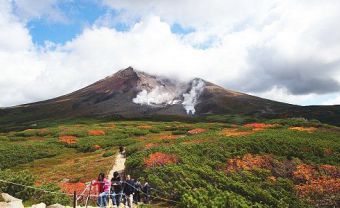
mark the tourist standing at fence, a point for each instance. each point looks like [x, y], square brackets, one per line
[147, 192]
[103, 188]
[116, 189]
[138, 189]
[129, 191]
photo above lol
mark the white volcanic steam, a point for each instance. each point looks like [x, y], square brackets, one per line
[191, 98]
[158, 96]
[162, 95]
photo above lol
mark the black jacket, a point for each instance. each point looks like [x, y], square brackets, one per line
[147, 189]
[116, 185]
[129, 187]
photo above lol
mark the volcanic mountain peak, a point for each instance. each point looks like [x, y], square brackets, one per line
[132, 93]
[160, 92]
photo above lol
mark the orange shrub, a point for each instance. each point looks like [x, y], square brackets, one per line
[305, 129]
[304, 172]
[260, 125]
[196, 131]
[68, 139]
[159, 159]
[234, 132]
[144, 127]
[96, 133]
[330, 170]
[71, 187]
[317, 191]
[271, 179]
[150, 145]
[249, 162]
[96, 146]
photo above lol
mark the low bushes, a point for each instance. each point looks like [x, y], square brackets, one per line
[26, 193]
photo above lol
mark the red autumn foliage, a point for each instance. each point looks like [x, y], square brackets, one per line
[68, 139]
[259, 126]
[320, 191]
[150, 145]
[249, 162]
[160, 159]
[305, 129]
[271, 179]
[304, 173]
[96, 132]
[230, 132]
[96, 146]
[144, 127]
[71, 187]
[330, 170]
[196, 131]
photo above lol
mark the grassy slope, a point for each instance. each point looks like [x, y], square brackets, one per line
[200, 173]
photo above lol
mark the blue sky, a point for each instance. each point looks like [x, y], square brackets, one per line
[79, 15]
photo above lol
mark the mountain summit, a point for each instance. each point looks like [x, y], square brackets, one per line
[130, 93]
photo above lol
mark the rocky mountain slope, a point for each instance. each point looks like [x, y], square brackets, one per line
[134, 94]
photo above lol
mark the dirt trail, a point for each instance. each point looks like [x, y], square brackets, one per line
[119, 165]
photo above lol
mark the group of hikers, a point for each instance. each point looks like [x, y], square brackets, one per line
[127, 191]
[118, 190]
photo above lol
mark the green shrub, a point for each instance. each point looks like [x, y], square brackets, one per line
[107, 154]
[52, 198]
[179, 132]
[155, 131]
[19, 177]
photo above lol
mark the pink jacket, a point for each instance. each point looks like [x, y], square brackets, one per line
[103, 186]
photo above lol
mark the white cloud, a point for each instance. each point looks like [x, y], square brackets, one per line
[38, 9]
[335, 100]
[295, 33]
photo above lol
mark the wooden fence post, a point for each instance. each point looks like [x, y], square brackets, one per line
[74, 199]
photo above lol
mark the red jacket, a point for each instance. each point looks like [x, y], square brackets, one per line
[103, 186]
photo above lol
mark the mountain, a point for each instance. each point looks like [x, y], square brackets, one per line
[130, 93]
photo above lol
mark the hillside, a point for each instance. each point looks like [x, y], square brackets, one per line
[279, 163]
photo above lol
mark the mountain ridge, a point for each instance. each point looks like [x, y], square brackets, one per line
[130, 93]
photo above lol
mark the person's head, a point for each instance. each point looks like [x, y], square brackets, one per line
[115, 174]
[101, 176]
[128, 177]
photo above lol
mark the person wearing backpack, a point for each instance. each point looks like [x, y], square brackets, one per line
[116, 189]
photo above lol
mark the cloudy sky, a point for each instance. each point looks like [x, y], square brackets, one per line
[285, 50]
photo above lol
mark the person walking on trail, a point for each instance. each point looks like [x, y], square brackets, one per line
[116, 189]
[122, 150]
[103, 188]
[129, 191]
[147, 192]
[138, 189]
